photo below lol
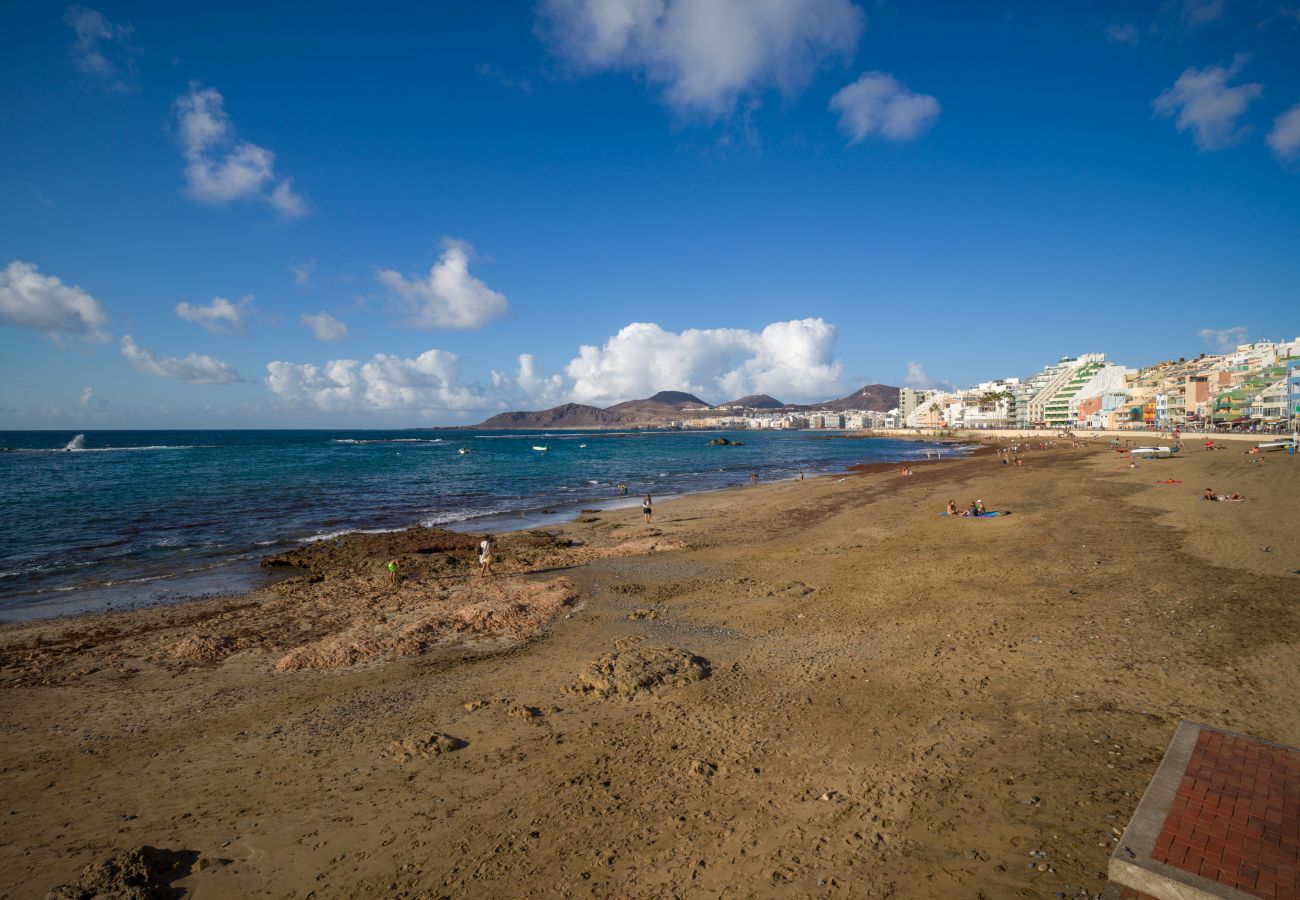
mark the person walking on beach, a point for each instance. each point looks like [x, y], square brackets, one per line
[392, 571]
[485, 556]
[753, 478]
[647, 509]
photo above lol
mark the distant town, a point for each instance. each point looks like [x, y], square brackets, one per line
[1255, 387]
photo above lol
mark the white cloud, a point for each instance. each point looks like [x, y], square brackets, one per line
[195, 368]
[43, 302]
[1199, 12]
[303, 271]
[704, 55]
[220, 316]
[529, 384]
[324, 326]
[219, 169]
[919, 379]
[1284, 139]
[101, 49]
[1205, 103]
[427, 383]
[449, 297]
[787, 358]
[1126, 33]
[1224, 340]
[876, 102]
[87, 394]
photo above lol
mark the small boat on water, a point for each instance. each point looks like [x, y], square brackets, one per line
[541, 448]
[582, 446]
[463, 451]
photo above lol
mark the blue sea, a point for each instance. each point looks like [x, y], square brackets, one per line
[120, 519]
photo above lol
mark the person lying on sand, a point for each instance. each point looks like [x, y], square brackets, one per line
[1233, 498]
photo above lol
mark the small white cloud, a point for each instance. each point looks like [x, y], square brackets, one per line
[1204, 103]
[1224, 340]
[220, 316]
[102, 50]
[218, 168]
[495, 73]
[1127, 33]
[449, 297]
[87, 394]
[427, 383]
[1284, 139]
[324, 326]
[919, 379]
[705, 56]
[877, 103]
[530, 385]
[1199, 12]
[303, 271]
[194, 368]
[32, 300]
[791, 359]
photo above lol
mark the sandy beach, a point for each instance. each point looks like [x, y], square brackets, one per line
[811, 688]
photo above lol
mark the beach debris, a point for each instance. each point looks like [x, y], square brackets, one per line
[475, 704]
[520, 711]
[643, 614]
[431, 745]
[140, 874]
[632, 670]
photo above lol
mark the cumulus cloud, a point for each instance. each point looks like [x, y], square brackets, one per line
[449, 297]
[1224, 340]
[877, 103]
[220, 169]
[1199, 12]
[32, 300]
[788, 358]
[220, 316]
[195, 368]
[324, 326]
[529, 384]
[1127, 33]
[101, 49]
[1284, 139]
[303, 271]
[1205, 104]
[427, 383]
[704, 55]
[919, 379]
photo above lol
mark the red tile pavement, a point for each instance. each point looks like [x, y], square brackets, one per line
[1235, 818]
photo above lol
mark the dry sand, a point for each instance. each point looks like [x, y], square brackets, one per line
[817, 688]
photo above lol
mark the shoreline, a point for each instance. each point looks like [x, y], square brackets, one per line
[245, 574]
[820, 688]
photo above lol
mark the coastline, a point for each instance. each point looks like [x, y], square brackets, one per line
[892, 700]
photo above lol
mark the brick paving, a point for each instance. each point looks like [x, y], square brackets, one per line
[1235, 817]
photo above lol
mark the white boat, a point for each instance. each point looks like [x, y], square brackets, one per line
[1160, 452]
[1284, 444]
[463, 451]
[582, 446]
[541, 448]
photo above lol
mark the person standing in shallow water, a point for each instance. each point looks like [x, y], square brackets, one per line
[647, 509]
[485, 556]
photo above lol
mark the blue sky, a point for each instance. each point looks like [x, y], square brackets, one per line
[794, 197]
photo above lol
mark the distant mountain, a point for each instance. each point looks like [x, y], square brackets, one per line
[570, 415]
[873, 397]
[756, 401]
[676, 406]
[668, 404]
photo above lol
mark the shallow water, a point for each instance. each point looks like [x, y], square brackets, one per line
[130, 518]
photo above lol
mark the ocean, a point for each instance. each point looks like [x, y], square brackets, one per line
[121, 519]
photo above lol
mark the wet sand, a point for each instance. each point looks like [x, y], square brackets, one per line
[817, 688]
